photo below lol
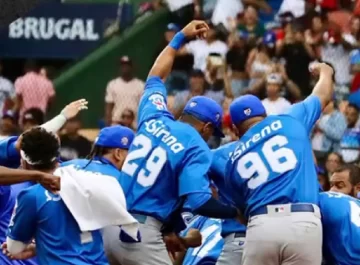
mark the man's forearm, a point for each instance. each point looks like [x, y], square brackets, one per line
[10, 176]
[165, 60]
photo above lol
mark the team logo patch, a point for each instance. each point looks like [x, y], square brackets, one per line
[247, 111]
[158, 101]
[124, 141]
[192, 104]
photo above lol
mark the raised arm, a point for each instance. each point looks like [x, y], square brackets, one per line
[324, 87]
[165, 60]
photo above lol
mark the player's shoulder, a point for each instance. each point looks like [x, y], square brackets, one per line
[335, 199]
[31, 193]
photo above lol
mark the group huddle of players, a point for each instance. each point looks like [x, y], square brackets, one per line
[254, 201]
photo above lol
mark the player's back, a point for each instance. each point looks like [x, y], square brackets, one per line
[156, 161]
[341, 225]
[273, 164]
[59, 240]
[212, 242]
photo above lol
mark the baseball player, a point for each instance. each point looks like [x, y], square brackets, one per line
[233, 232]
[168, 161]
[271, 177]
[44, 216]
[341, 217]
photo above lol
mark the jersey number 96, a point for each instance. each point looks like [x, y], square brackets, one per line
[154, 161]
[279, 159]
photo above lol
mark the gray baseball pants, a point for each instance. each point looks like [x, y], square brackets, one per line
[232, 251]
[150, 251]
[284, 238]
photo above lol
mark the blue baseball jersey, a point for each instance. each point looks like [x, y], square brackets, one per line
[168, 159]
[221, 156]
[44, 216]
[212, 242]
[273, 161]
[341, 225]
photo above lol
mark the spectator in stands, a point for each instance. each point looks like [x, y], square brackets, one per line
[297, 55]
[236, 59]
[127, 118]
[33, 90]
[31, 118]
[333, 161]
[201, 49]
[328, 131]
[314, 35]
[260, 60]
[353, 36]
[123, 92]
[350, 142]
[274, 103]
[198, 86]
[337, 52]
[7, 92]
[73, 145]
[289, 89]
[252, 25]
[8, 126]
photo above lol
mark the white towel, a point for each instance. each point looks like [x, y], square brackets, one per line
[95, 200]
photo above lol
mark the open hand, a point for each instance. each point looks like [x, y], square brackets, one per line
[72, 109]
[196, 28]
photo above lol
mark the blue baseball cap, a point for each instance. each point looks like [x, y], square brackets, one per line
[206, 110]
[246, 107]
[115, 137]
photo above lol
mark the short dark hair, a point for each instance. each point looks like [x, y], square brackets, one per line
[354, 172]
[41, 147]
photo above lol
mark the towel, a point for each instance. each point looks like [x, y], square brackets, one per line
[95, 200]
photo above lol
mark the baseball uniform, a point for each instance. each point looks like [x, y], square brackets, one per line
[272, 179]
[167, 162]
[341, 225]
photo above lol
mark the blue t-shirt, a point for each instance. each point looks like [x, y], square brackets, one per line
[273, 161]
[217, 174]
[341, 226]
[167, 160]
[44, 216]
[212, 242]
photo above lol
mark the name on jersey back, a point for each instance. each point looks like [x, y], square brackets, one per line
[243, 146]
[158, 129]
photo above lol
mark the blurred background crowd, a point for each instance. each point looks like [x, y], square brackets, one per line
[262, 47]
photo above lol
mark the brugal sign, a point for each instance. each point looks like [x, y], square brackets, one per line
[57, 30]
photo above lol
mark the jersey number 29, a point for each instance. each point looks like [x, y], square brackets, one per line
[153, 165]
[279, 158]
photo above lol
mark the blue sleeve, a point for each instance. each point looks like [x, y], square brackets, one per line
[9, 155]
[193, 176]
[23, 224]
[307, 112]
[153, 102]
[195, 200]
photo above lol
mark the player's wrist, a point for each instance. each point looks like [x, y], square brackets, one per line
[178, 40]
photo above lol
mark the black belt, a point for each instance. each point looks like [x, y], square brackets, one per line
[294, 208]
